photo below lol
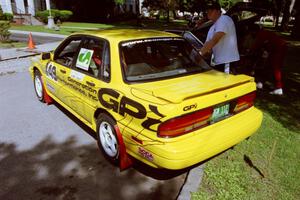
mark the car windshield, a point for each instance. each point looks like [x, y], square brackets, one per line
[159, 58]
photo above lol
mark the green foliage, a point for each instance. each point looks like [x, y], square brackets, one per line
[1, 12]
[64, 15]
[191, 5]
[226, 4]
[119, 2]
[161, 4]
[43, 15]
[8, 17]
[61, 15]
[4, 33]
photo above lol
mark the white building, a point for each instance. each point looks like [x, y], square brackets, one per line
[24, 6]
[133, 6]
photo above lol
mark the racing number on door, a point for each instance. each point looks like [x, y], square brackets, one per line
[51, 71]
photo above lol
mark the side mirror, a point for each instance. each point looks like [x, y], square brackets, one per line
[46, 56]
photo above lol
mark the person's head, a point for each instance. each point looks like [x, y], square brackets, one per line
[213, 10]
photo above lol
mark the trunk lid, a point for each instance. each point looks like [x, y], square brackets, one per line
[176, 90]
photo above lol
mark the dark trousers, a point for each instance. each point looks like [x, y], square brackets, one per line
[221, 67]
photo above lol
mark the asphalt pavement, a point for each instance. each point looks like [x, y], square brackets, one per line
[45, 42]
[46, 153]
[38, 39]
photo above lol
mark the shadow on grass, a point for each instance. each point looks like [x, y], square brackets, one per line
[285, 109]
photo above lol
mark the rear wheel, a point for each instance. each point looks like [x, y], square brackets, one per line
[107, 138]
[38, 86]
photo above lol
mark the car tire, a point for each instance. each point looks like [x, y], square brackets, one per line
[38, 86]
[107, 138]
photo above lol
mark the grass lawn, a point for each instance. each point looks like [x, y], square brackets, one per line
[63, 31]
[12, 44]
[267, 165]
[67, 28]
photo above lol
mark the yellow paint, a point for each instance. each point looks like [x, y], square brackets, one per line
[170, 96]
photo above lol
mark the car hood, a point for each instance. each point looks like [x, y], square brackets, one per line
[176, 90]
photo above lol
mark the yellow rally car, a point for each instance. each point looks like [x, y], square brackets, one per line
[148, 95]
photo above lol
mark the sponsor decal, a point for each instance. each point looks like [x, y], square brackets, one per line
[145, 154]
[112, 100]
[130, 43]
[50, 87]
[51, 71]
[190, 107]
[77, 75]
[84, 59]
[123, 106]
[83, 89]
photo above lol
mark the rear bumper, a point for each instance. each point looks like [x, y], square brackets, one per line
[203, 143]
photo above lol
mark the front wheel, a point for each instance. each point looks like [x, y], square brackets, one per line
[38, 86]
[107, 138]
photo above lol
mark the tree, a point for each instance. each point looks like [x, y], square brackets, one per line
[226, 4]
[1, 13]
[86, 10]
[4, 30]
[119, 2]
[286, 15]
[282, 7]
[296, 28]
[166, 6]
[191, 5]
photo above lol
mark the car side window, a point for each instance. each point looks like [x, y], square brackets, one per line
[93, 59]
[67, 52]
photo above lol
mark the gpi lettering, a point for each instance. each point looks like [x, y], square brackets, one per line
[110, 99]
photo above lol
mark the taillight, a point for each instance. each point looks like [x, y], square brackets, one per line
[185, 124]
[191, 122]
[245, 102]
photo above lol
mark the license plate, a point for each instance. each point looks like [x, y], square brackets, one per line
[220, 112]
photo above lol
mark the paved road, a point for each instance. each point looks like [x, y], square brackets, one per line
[45, 153]
[37, 39]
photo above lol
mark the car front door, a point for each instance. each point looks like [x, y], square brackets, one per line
[90, 72]
[64, 58]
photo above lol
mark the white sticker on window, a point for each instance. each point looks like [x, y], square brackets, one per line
[84, 59]
[77, 75]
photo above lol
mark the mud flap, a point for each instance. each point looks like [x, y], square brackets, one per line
[125, 161]
[47, 98]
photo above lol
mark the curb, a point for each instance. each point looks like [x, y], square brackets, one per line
[39, 34]
[192, 182]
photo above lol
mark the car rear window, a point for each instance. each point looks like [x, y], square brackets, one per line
[159, 58]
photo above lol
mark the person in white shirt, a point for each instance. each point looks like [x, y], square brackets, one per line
[221, 39]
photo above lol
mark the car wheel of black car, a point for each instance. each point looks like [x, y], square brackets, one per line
[38, 86]
[107, 138]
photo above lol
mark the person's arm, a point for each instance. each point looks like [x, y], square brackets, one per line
[207, 47]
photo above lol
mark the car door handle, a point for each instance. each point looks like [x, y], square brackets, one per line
[90, 83]
[63, 71]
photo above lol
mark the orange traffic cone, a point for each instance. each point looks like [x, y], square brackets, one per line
[31, 44]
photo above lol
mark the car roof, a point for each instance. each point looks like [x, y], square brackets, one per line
[119, 35]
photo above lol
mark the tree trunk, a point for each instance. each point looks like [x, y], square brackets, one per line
[138, 14]
[168, 15]
[174, 14]
[296, 28]
[286, 16]
[276, 12]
